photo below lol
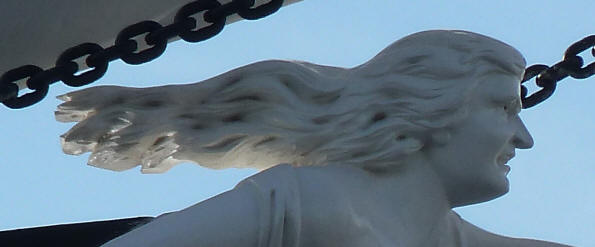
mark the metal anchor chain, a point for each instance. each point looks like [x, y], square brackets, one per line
[547, 77]
[125, 48]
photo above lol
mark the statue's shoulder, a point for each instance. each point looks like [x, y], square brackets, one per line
[282, 176]
[476, 236]
[276, 194]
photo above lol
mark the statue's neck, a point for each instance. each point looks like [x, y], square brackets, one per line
[408, 207]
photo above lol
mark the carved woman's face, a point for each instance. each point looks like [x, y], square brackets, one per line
[472, 164]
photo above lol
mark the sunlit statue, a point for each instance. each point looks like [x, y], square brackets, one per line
[375, 155]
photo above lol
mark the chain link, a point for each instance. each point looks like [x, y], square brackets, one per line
[18, 74]
[217, 21]
[146, 55]
[126, 48]
[547, 77]
[261, 11]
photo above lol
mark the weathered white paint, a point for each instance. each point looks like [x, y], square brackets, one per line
[378, 154]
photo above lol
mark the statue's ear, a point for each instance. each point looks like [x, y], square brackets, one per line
[409, 143]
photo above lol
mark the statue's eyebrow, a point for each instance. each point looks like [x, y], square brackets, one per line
[518, 105]
[514, 102]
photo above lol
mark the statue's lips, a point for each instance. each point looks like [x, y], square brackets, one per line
[503, 159]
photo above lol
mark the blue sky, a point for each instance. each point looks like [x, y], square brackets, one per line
[552, 185]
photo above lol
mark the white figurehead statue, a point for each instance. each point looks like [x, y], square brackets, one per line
[376, 155]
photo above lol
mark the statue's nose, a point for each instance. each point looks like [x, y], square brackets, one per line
[522, 138]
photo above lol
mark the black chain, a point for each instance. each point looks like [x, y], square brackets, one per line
[547, 77]
[125, 48]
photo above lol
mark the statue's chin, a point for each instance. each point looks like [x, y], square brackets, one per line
[481, 193]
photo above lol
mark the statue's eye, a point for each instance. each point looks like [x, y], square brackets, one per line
[507, 109]
[511, 109]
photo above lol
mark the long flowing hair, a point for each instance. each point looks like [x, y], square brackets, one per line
[273, 112]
